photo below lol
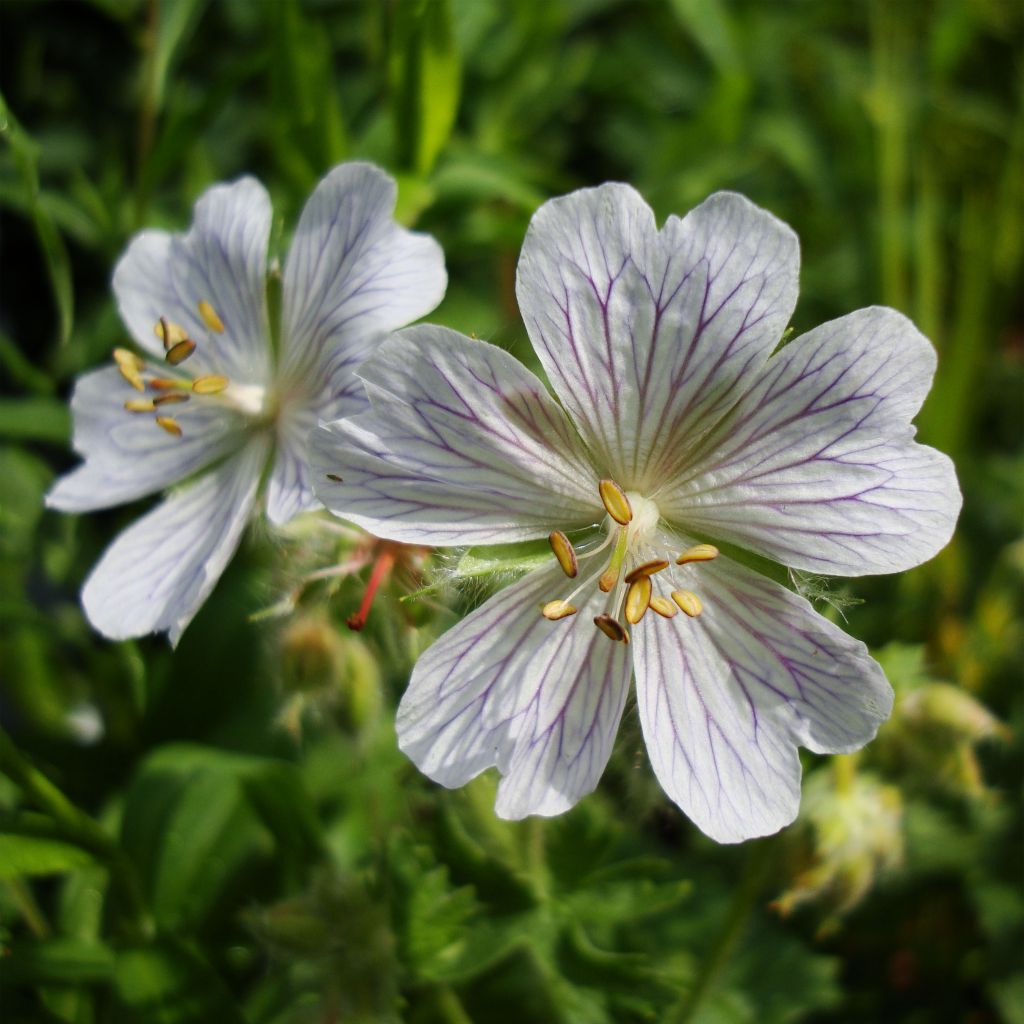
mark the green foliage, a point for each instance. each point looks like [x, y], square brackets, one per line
[228, 832]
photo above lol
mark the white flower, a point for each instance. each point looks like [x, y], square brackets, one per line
[676, 426]
[211, 401]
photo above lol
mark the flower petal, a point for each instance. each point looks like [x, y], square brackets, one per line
[221, 261]
[541, 700]
[158, 572]
[817, 467]
[127, 454]
[725, 698]
[462, 445]
[353, 274]
[646, 335]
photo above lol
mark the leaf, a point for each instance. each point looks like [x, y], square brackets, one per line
[28, 856]
[35, 419]
[427, 73]
[61, 961]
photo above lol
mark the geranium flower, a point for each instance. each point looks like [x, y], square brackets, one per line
[213, 400]
[675, 426]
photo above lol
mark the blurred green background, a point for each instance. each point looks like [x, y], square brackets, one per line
[228, 832]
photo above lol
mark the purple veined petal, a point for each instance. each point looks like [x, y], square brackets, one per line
[726, 698]
[127, 455]
[816, 467]
[646, 336]
[222, 260]
[462, 445]
[158, 572]
[352, 274]
[540, 700]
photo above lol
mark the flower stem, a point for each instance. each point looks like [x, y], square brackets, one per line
[760, 857]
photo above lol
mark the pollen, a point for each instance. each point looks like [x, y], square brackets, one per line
[688, 601]
[612, 628]
[139, 405]
[564, 552]
[698, 553]
[615, 502]
[170, 424]
[180, 351]
[169, 333]
[664, 607]
[211, 384]
[638, 599]
[555, 610]
[210, 317]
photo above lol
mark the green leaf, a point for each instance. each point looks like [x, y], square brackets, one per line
[427, 73]
[60, 961]
[26, 856]
[35, 419]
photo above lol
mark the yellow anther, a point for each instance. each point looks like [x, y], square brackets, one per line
[131, 375]
[638, 599]
[615, 502]
[169, 333]
[212, 384]
[564, 552]
[698, 553]
[171, 398]
[663, 606]
[168, 383]
[179, 352]
[612, 628]
[210, 318]
[688, 601]
[646, 569]
[611, 574]
[139, 405]
[170, 424]
[555, 610]
[125, 357]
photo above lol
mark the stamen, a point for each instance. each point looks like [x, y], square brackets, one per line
[381, 567]
[210, 318]
[130, 366]
[179, 352]
[564, 552]
[611, 574]
[171, 398]
[212, 384]
[169, 333]
[555, 610]
[638, 599]
[167, 383]
[698, 553]
[139, 405]
[132, 376]
[688, 601]
[170, 424]
[615, 502]
[663, 606]
[646, 569]
[612, 628]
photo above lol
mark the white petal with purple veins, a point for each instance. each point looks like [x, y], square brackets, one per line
[353, 274]
[725, 698]
[157, 573]
[127, 454]
[221, 261]
[646, 336]
[462, 445]
[541, 700]
[817, 467]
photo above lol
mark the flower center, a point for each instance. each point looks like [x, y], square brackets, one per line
[173, 385]
[628, 577]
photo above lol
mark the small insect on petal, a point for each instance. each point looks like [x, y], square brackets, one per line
[688, 601]
[555, 610]
[172, 398]
[698, 553]
[180, 352]
[615, 502]
[169, 333]
[212, 384]
[139, 405]
[210, 318]
[655, 565]
[334, 476]
[612, 628]
[638, 599]
[564, 552]
[664, 607]
[169, 424]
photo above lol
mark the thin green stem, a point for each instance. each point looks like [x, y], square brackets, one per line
[28, 908]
